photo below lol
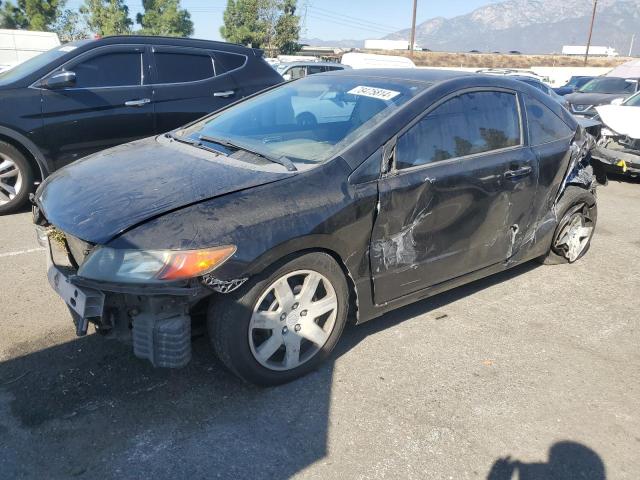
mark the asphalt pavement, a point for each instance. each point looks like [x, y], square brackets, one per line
[534, 372]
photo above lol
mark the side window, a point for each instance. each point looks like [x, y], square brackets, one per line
[228, 61]
[296, 72]
[117, 69]
[311, 69]
[182, 67]
[544, 125]
[465, 125]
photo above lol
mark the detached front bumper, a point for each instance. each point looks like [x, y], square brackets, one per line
[617, 161]
[154, 320]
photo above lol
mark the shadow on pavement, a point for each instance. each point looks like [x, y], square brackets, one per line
[88, 408]
[567, 461]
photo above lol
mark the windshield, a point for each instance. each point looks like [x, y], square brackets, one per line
[309, 120]
[610, 85]
[633, 101]
[35, 63]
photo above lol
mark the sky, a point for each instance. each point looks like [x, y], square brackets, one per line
[329, 19]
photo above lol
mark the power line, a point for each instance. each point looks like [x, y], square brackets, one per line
[346, 23]
[350, 18]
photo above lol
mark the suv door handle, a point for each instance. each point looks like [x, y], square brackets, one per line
[519, 172]
[137, 103]
[225, 94]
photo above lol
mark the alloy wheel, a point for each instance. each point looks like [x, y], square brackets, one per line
[292, 320]
[10, 179]
[573, 239]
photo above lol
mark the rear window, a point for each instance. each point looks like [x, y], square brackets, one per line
[228, 61]
[544, 125]
[610, 85]
[183, 67]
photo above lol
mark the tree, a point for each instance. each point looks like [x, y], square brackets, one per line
[242, 23]
[32, 14]
[269, 24]
[288, 29]
[107, 17]
[165, 17]
[70, 27]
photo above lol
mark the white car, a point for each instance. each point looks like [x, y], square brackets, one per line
[619, 142]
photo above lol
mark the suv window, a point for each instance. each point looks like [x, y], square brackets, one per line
[296, 72]
[228, 61]
[465, 125]
[544, 125]
[117, 69]
[311, 69]
[182, 67]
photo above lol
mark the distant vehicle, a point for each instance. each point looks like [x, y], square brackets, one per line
[601, 91]
[531, 80]
[594, 50]
[86, 96]
[515, 52]
[295, 70]
[17, 46]
[474, 51]
[370, 60]
[573, 84]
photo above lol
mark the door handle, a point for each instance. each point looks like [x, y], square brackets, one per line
[519, 172]
[137, 103]
[225, 94]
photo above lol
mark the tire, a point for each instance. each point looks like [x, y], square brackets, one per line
[244, 347]
[575, 202]
[17, 183]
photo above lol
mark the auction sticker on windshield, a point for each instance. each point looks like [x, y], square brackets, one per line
[374, 92]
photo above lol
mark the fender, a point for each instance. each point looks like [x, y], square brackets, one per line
[41, 161]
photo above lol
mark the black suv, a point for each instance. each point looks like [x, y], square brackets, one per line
[90, 95]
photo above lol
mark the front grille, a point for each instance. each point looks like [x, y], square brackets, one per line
[581, 108]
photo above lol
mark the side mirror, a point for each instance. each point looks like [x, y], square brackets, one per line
[60, 80]
[287, 77]
[617, 101]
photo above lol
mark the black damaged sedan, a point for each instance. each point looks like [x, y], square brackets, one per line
[338, 196]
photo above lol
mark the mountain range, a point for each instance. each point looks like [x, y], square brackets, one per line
[529, 26]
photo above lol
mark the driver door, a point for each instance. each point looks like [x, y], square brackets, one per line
[462, 186]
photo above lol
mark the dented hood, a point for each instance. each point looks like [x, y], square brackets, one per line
[101, 196]
[622, 119]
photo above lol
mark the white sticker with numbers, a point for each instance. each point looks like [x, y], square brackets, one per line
[374, 92]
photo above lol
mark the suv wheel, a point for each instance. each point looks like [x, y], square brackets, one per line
[16, 178]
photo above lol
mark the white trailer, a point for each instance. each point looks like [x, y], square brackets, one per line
[596, 51]
[388, 45]
[16, 46]
[370, 60]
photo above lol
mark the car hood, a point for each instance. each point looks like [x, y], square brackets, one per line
[99, 197]
[578, 98]
[622, 119]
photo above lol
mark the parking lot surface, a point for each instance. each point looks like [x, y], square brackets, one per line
[539, 364]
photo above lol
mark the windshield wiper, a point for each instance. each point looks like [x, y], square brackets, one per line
[284, 161]
[192, 141]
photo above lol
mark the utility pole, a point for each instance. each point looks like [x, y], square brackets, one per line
[593, 19]
[633, 37]
[413, 28]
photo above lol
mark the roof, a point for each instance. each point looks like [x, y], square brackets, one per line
[192, 42]
[426, 75]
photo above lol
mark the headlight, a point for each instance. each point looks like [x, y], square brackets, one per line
[152, 266]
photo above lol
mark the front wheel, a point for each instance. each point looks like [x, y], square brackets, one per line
[16, 179]
[574, 232]
[283, 323]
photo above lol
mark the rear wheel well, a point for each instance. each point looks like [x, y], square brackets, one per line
[37, 172]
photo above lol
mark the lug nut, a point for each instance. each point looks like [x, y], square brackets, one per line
[294, 306]
[303, 313]
[297, 327]
[283, 317]
[285, 330]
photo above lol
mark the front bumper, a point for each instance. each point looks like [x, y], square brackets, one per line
[156, 321]
[617, 161]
